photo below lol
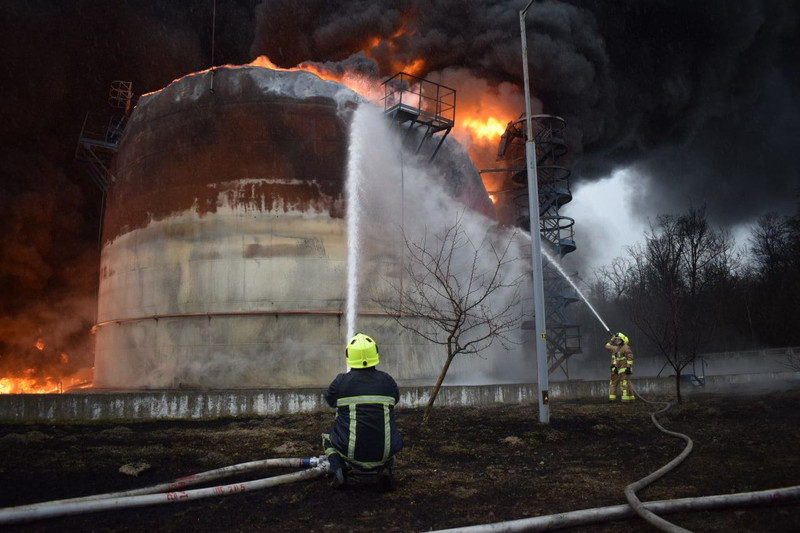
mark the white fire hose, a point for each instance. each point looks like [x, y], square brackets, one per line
[649, 510]
[170, 492]
[618, 512]
[630, 491]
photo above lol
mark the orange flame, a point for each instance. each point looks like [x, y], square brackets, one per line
[483, 110]
[415, 68]
[29, 383]
[40, 386]
[489, 129]
[357, 83]
[483, 113]
[265, 62]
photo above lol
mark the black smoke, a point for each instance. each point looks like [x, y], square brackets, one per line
[701, 97]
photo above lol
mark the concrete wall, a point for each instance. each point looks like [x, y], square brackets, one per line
[593, 363]
[181, 405]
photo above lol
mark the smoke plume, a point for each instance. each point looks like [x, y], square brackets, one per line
[699, 98]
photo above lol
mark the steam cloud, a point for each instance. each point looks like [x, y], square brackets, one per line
[391, 195]
[700, 98]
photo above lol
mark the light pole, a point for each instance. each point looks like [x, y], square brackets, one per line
[536, 239]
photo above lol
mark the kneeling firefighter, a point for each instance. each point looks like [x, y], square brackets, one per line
[621, 368]
[364, 434]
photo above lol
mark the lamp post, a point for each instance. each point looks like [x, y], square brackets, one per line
[536, 239]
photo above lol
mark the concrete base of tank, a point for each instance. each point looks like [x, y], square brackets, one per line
[247, 299]
[119, 406]
[241, 301]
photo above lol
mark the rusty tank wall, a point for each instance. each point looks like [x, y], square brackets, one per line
[223, 262]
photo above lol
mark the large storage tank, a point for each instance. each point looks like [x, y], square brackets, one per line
[224, 240]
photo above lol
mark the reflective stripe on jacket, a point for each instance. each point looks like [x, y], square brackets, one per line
[621, 356]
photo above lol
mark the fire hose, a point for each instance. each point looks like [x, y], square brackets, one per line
[630, 491]
[648, 511]
[598, 515]
[170, 492]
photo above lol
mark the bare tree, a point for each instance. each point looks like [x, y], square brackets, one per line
[775, 283]
[771, 243]
[669, 285]
[456, 293]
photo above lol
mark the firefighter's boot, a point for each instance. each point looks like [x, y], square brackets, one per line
[385, 478]
[337, 467]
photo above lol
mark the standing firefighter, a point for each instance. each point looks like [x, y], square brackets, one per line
[621, 368]
[364, 434]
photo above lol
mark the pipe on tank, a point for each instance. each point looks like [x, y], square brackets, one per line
[236, 313]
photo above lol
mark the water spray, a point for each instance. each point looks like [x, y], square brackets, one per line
[574, 286]
[566, 276]
[354, 197]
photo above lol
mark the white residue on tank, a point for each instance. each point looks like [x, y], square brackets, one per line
[254, 193]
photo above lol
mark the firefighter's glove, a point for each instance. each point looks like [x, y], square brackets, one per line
[613, 368]
[628, 371]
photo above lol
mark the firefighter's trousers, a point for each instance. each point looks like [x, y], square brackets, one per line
[622, 383]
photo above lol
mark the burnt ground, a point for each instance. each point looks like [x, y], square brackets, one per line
[467, 466]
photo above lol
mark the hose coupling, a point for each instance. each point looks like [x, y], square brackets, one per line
[321, 461]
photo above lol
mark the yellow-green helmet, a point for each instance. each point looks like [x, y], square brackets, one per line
[622, 337]
[361, 351]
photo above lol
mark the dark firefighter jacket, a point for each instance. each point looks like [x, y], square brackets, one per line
[365, 431]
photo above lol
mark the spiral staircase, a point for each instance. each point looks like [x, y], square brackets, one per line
[557, 231]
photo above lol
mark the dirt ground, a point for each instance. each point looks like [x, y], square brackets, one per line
[467, 466]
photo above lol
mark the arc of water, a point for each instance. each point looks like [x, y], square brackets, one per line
[574, 285]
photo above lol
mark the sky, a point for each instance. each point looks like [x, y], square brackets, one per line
[668, 103]
[607, 221]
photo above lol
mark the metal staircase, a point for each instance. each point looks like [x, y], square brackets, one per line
[557, 231]
[101, 132]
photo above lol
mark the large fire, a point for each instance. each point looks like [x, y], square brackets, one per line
[481, 116]
[482, 112]
[489, 129]
[47, 372]
[29, 384]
